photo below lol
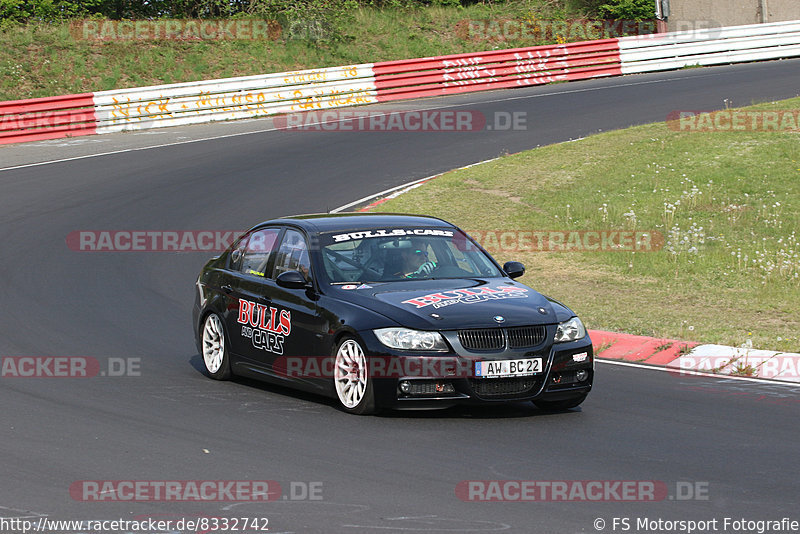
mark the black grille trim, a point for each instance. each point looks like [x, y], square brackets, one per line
[526, 336]
[520, 337]
[500, 387]
[482, 339]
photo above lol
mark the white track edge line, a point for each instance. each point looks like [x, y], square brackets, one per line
[699, 373]
[238, 134]
[405, 186]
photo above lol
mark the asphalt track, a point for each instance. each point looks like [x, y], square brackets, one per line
[393, 473]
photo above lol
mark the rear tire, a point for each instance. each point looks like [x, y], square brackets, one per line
[215, 351]
[351, 379]
[560, 405]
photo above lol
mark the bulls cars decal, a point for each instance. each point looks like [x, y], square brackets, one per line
[467, 296]
[265, 325]
[394, 232]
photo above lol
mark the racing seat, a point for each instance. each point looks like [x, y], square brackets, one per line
[393, 264]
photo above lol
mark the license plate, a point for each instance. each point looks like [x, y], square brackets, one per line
[508, 368]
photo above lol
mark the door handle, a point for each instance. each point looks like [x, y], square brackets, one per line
[227, 288]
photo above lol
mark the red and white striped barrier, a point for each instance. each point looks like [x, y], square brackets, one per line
[689, 358]
[351, 85]
[498, 69]
[144, 108]
[47, 118]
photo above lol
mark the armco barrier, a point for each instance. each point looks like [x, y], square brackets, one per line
[47, 118]
[234, 98]
[713, 46]
[314, 89]
[498, 69]
[186, 103]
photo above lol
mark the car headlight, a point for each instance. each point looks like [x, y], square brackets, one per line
[407, 339]
[570, 331]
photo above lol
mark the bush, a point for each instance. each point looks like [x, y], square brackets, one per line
[628, 10]
[45, 10]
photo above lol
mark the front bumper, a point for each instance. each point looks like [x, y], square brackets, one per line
[441, 380]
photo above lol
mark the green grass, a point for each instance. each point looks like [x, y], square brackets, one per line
[46, 59]
[727, 204]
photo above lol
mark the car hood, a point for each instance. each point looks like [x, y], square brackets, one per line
[453, 304]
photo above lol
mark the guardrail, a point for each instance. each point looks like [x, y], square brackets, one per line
[497, 69]
[47, 118]
[350, 85]
[234, 98]
[713, 46]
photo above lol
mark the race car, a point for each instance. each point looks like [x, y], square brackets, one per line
[386, 311]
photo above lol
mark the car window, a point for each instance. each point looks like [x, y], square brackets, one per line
[464, 255]
[392, 254]
[256, 251]
[292, 255]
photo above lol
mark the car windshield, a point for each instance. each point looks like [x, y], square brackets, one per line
[393, 254]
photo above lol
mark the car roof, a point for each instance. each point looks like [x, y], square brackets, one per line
[331, 222]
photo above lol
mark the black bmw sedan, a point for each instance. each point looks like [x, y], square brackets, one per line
[386, 311]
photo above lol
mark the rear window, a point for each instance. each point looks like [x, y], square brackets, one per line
[256, 250]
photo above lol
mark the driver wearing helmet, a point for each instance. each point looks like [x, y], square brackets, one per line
[415, 261]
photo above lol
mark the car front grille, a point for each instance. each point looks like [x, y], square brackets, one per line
[526, 336]
[481, 339]
[498, 387]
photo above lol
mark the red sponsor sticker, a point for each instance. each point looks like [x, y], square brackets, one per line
[467, 296]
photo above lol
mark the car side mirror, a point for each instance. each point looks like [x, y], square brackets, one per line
[514, 269]
[292, 280]
[235, 258]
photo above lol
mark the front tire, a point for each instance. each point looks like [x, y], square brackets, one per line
[560, 405]
[215, 350]
[351, 379]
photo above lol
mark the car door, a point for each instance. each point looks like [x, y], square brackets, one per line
[250, 295]
[304, 327]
